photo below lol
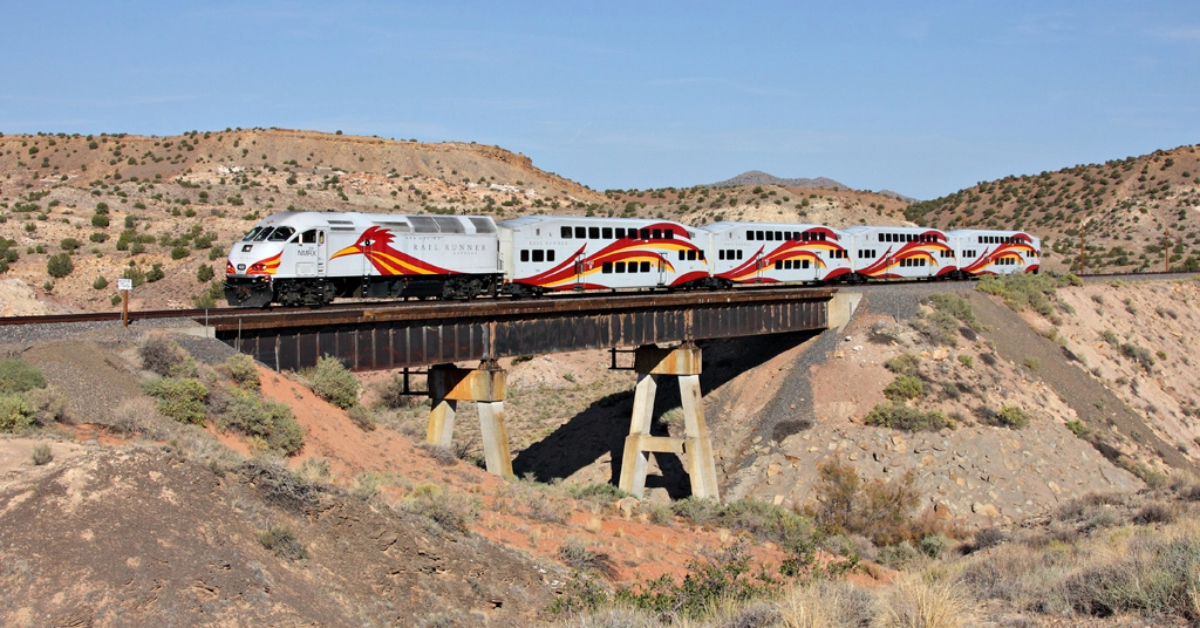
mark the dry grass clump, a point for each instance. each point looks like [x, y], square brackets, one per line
[827, 604]
[918, 602]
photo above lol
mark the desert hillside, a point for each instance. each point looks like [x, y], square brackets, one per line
[164, 210]
[1127, 210]
[1012, 434]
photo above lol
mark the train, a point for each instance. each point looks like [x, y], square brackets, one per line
[311, 258]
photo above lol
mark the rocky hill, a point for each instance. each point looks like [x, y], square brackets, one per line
[166, 209]
[1136, 213]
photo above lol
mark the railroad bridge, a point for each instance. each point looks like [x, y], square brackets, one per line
[437, 335]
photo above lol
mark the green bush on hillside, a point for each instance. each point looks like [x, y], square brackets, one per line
[334, 382]
[898, 416]
[17, 376]
[181, 399]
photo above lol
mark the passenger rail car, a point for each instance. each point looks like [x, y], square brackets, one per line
[547, 253]
[311, 258]
[741, 252]
[985, 252]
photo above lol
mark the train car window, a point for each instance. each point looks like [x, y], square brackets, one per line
[657, 234]
[749, 235]
[645, 267]
[644, 234]
[701, 255]
[691, 256]
[524, 255]
[309, 237]
[594, 233]
[606, 268]
[281, 234]
[760, 236]
[539, 255]
[778, 264]
[721, 254]
[566, 233]
[804, 264]
[620, 233]
[633, 267]
[580, 233]
[770, 236]
[606, 233]
[550, 255]
[669, 234]
[620, 267]
[779, 235]
[739, 254]
[682, 255]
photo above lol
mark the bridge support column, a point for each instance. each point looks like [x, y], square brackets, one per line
[447, 386]
[695, 447]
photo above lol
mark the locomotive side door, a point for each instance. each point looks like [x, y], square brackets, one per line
[662, 271]
[309, 260]
[322, 252]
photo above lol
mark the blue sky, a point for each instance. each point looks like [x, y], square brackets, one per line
[923, 98]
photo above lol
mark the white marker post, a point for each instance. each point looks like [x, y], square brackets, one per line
[125, 286]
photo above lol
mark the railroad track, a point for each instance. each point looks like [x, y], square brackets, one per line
[343, 312]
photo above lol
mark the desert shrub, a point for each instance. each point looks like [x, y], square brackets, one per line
[243, 371]
[1022, 291]
[1155, 512]
[898, 416]
[955, 306]
[966, 360]
[602, 493]
[698, 510]
[334, 382]
[1156, 577]
[903, 388]
[204, 273]
[934, 545]
[827, 604]
[138, 415]
[576, 555]
[17, 375]
[988, 537]
[270, 421]
[15, 414]
[392, 395]
[880, 510]
[59, 266]
[166, 359]
[1032, 363]
[100, 283]
[442, 455]
[362, 417]
[46, 406]
[903, 364]
[181, 399]
[1078, 428]
[282, 541]
[898, 555]
[1143, 356]
[940, 328]
[41, 455]
[449, 510]
[1011, 417]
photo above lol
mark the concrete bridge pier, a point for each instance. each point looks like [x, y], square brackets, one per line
[695, 447]
[448, 385]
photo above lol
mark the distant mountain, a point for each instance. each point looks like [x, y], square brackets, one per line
[758, 177]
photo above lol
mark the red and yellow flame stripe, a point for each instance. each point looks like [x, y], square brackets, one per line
[268, 266]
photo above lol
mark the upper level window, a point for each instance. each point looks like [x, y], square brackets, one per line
[566, 233]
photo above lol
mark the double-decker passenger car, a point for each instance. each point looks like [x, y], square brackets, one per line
[309, 258]
[747, 252]
[987, 252]
[547, 253]
[900, 252]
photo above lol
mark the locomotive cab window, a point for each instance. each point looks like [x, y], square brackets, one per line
[281, 234]
[309, 237]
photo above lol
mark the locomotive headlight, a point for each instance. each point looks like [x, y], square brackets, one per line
[241, 267]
